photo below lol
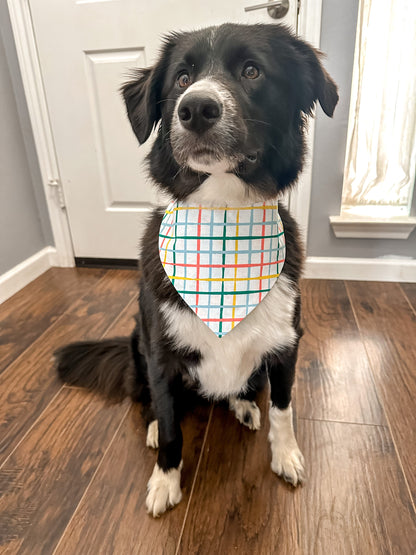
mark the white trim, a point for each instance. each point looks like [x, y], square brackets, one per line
[21, 21]
[18, 277]
[366, 269]
[394, 228]
[309, 28]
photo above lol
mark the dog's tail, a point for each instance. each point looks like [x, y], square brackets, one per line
[111, 367]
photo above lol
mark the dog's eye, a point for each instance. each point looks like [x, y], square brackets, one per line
[184, 80]
[250, 72]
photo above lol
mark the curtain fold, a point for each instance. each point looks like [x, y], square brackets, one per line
[380, 160]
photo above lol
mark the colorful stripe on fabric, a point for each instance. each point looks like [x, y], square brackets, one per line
[222, 261]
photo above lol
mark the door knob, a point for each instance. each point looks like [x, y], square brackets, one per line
[276, 9]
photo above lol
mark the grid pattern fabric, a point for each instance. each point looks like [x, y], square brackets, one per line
[222, 261]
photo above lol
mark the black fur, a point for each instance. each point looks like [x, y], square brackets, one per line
[270, 122]
[98, 366]
[293, 69]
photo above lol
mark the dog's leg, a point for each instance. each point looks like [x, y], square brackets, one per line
[287, 460]
[163, 488]
[244, 405]
[247, 412]
[152, 437]
[140, 392]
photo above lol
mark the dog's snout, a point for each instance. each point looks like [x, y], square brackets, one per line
[199, 112]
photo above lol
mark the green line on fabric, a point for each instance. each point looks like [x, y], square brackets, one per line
[222, 293]
[223, 271]
[239, 238]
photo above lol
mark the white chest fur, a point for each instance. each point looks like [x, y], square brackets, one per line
[227, 363]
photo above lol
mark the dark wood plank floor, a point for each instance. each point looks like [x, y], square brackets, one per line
[73, 470]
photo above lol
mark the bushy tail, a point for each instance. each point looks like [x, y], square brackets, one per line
[103, 366]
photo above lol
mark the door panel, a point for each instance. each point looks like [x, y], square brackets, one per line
[117, 155]
[86, 50]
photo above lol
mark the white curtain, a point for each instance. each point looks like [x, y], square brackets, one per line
[381, 146]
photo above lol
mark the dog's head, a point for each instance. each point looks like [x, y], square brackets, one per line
[230, 99]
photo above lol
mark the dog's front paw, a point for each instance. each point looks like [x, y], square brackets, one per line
[287, 459]
[163, 490]
[246, 412]
[288, 462]
[152, 438]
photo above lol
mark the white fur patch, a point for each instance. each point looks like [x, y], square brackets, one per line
[227, 363]
[224, 189]
[246, 412]
[163, 490]
[211, 166]
[152, 438]
[287, 459]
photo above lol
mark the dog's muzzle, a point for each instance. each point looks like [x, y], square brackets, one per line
[207, 130]
[198, 112]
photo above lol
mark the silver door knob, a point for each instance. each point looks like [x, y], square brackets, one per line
[276, 8]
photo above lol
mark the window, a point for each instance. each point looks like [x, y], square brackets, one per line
[380, 162]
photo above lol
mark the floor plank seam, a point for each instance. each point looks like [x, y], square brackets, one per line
[93, 477]
[114, 322]
[56, 322]
[194, 480]
[31, 427]
[53, 324]
[396, 450]
[407, 299]
[385, 426]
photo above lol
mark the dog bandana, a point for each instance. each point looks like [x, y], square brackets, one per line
[222, 261]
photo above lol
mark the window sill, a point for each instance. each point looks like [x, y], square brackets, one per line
[372, 228]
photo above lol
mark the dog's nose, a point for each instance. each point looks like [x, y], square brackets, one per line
[199, 112]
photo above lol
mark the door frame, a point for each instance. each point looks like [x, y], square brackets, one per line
[309, 27]
[24, 37]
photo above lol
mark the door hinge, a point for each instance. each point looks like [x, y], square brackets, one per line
[56, 184]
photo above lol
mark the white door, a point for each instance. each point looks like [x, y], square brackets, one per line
[86, 48]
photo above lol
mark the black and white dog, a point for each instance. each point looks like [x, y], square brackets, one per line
[232, 102]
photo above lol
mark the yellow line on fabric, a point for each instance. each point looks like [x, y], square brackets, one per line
[223, 279]
[235, 269]
[166, 253]
[270, 207]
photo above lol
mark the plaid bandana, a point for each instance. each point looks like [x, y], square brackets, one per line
[222, 261]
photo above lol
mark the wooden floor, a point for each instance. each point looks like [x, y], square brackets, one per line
[74, 471]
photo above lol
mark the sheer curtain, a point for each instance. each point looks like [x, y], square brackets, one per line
[380, 161]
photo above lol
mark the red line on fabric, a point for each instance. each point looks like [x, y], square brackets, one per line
[229, 265]
[263, 231]
[222, 319]
[198, 258]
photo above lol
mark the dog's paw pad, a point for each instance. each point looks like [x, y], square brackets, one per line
[290, 465]
[152, 438]
[163, 490]
[246, 412]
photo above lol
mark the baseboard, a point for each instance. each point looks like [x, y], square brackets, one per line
[365, 269]
[18, 277]
[110, 263]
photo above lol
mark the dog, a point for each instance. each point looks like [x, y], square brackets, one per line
[230, 104]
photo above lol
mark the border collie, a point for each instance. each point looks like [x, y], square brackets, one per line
[230, 104]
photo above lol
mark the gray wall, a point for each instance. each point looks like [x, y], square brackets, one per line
[24, 220]
[339, 19]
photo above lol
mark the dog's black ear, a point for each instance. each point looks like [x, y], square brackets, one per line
[140, 96]
[316, 82]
